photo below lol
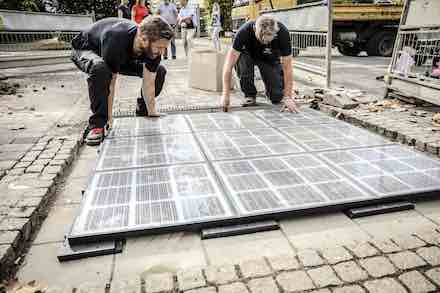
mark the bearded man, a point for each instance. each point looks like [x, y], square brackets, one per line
[115, 46]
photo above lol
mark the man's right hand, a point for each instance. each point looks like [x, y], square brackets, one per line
[226, 101]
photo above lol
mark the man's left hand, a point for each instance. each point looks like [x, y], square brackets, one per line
[289, 105]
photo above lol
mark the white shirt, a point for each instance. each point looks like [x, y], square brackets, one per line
[168, 12]
[188, 11]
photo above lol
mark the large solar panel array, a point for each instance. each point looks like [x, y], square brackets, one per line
[207, 167]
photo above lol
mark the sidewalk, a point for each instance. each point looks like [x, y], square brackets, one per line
[398, 252]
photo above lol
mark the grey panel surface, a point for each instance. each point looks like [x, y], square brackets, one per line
[244, 143]
[146, 151]
[171, 124]
[288, 163]
[388, 170]
[150, 197]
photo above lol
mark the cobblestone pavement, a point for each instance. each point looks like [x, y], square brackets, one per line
[328, 253]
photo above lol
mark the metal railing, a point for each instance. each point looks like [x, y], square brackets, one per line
[417, 54]
[34, 41]
[302, 41]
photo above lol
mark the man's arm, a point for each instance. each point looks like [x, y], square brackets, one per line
[231, 60]
[149, 91]
[289, 102]
[120, 14]
[133, 13]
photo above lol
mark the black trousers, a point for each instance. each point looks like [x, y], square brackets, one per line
[271, 73]
[99, 79]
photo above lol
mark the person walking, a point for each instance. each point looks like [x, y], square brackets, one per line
[187, 20]
[113, 46]
[139, 11]
[265, 43]
[169, 12]
[123, 10]
[216, 25]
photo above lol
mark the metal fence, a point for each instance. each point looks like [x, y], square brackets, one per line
[417, 54]
[34, 41]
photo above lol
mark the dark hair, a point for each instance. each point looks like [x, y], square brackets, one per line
[155, 28]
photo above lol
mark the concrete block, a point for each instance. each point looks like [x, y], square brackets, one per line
[255, 268]
[221, 274]
[336, 255]
[310, 258]
[205, 70]
[430, 254]
[296, 281]
[408, 241]
[324, 277]
[350, 272]
[406, 260]
[363, 250]
[283, 262]
[263, 285]
[384, 285]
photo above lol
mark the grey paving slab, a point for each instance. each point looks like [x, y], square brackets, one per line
[41, 264]
[167, 253]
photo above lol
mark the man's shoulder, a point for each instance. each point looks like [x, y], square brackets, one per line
[118, 26]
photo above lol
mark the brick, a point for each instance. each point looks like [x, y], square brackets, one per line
[39, 147]
[430, 254]
[255, 268]
[6, 165]
[43, 162]
[429, 236]
[66, 157]
[16, 171]
[416, 282]
[23, 164]
[336, 255]
[62, 163]
[203, 290]
[384, 285]
[324, 277]
[350, 272]
[221, 275]
[363, 250]
[57, 170]
[385, 246]
[406, 260]
[190, 279]
[408, 241]
[155, 283]
[47, 155]
[12, 156]
[283, 263]
[295, 281]
[434, 275]
[9, 237]
[349, 289]
[310, 258]
[22, 225]
[34, 168]
[263, 285]
[233, 288]
[378, 266]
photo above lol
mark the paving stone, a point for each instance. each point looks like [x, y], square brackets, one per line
[429, 236]
[22, 225]
[29, 202]
[430, 254]
[434, 275]
[22, 212]
[349, 289]
[34, 168]
[16, 171]
[66, 157]
[39, 147]
[37, 192]
[12, 156]
[221, 275]
[203, 290]
[336, 255]
[406, 260]
[22, 164]
[387, 285]
[58, 170]
[233, 288]
[324, 277]
[190, 279]
[310, 258]
[26, 140]
[321, 291]
[6, 253]
[44, 162]
[47, 155]
[9, 237]
[350, 272]
[6, 165]
[125, 286]
[378, 266]
[15, 147]
[416, 282]
[296, 281]
[363, 250]
[408, 241]
[34, 183]
[263, 285]
[255, 268]
[47, 176]
[385, 246]
[283, 262]
[155, 283]
[62, 163]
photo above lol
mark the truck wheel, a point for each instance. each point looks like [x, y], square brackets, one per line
[349, 51]
[381, 44]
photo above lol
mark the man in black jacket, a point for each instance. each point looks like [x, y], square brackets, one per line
[111, 46]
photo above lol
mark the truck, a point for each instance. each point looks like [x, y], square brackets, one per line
[358, 26]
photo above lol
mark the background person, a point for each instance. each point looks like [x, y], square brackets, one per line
[187, 20]
[139, 11]
[123, 10]
[216, 25]
[169, 12]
